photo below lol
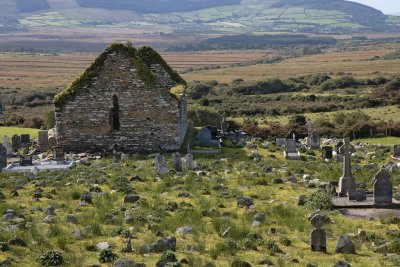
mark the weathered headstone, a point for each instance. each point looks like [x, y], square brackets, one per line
[160, 165]
[383, 189]
[313, 138]
[3, 157]
[58, 154]
[347, 183]
[318, 235]
[7, 144]
[43, 140]
[177, 161]
[361, 195]
[281, 141]
[204, 136]
[25, 138]
[291, 152]
[224, 125]
[189, 162]
[15, 142]
[396, 151]
[327, 152]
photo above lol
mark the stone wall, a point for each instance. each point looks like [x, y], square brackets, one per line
[150, 119]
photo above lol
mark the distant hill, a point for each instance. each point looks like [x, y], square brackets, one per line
[362, 14]
[157, 6]
[200, 16]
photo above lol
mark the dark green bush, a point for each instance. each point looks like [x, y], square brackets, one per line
[107, 256]
[51, 258]
[319, 199]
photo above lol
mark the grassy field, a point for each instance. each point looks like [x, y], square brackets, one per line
[387, 141]
[47, 71]
[10, 131]
[356, 62]
[382, 113]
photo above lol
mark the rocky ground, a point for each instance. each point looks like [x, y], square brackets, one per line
[238, 208]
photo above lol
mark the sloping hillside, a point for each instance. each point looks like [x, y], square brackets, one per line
[200, 16]
[157, 6]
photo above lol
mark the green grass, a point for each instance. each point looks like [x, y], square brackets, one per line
[387, 141]
[10, 131]
[382, 113]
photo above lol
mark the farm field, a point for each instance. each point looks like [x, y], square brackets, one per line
[51, 71]
[356, 62]
[10, 131]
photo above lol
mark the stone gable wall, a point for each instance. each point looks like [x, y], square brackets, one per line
[151, 119]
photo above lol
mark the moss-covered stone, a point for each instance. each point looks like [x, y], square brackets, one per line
[142, 58]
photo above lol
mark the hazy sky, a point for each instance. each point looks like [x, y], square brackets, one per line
[386, 6]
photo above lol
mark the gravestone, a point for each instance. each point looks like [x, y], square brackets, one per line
[7, 144]
[58, 154]
[25, 138]
[339, 157]
[347, 183]
[361, 195]
[383, 189]
[3, 157]
[293, 135]
[204, 136]
[291, 152]
[15, 142]
[313, 138]
[25, 160]
[281, 141]
[318, 235]
[396, 151]
[189, 162]
[224, 125]
[160, 166]
[177, 161]
[43, 140]
[327, 152]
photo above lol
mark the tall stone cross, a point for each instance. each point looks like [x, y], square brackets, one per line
[347, 183]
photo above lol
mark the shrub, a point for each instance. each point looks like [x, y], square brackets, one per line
[51, 258]
[107, 256]
[319, 199]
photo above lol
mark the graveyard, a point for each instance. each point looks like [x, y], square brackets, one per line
[334, 204]
[123, 179]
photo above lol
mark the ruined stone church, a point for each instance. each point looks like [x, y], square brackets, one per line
[123, 101]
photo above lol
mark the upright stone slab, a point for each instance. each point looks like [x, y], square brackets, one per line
[43, 140]
[396, 151]
[160, 165]
[189, 162]
[177, 162]
[15, 142]
[347, 183]
[224, 125]
[383, 190]
[7, 144]
[3, 157]
[204, 136]
[58, 154]
[280, 141]
[25, 139]
[318, 235]
[291, 152]
[313, 138]
[327, 153]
